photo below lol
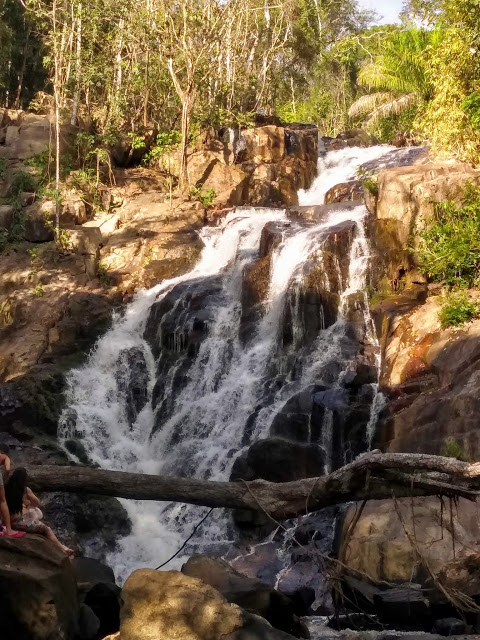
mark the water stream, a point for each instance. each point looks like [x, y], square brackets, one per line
[182, 386]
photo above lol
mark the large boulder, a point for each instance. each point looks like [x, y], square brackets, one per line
[380, 545]
[98, 591]
[172, 606]
[251, 594]
[406, 197]
[38, 597]
[279, 460]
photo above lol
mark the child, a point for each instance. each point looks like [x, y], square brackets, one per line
[5, 465]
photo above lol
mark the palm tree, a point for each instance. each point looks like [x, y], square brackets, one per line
[398, 73]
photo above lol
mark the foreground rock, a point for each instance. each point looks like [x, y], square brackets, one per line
[173, 606]
[38, 596]
[252, 595]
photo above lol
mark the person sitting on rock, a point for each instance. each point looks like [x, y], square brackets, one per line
[5, 465]
[16, 492]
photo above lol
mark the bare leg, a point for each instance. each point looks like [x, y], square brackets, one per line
[4, 511]
[51, 536]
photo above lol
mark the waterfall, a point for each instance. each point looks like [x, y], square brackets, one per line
[182, 384]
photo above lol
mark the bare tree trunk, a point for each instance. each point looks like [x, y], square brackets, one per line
[374, 476]
[22, 72]
[78, 66]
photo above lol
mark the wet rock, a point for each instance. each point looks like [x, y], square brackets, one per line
[255, 285]
[345, 192]
[278, 460]
[132, 378]
[38, 596]
[449, 627]
[170, 605]
[272, 236]
[252, 595]
[77, 449]
[301, 418]
[93, 523]
[175, 330]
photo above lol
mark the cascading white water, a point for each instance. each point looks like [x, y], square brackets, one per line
[204, 429]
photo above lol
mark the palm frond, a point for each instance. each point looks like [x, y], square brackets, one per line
[370, 102]
[393, 108]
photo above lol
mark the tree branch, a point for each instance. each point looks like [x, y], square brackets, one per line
[371, 477]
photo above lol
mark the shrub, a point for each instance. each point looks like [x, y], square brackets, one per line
[449, 248]
[205, 197]
[454, 450]
[457, 308]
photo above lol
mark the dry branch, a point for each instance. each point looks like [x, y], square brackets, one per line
[374, 476]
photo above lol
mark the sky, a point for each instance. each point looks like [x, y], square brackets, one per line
[388, 9]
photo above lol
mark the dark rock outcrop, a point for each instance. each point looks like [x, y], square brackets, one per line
[38, 597]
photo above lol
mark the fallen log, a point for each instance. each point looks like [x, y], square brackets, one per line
[373, 476]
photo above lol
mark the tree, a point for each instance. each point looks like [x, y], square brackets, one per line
[398, 73]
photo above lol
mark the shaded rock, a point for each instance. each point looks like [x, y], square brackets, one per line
[255, 285]
[406, 602]
[88, 625]
[301, 417]
[93, 523]
[91, 571]
[6, 216]
[252, 595]
[77, 449]
[99, 592]
[449, 627]
[104, 600]
[278, 460]
[38, 221]
[38, 597]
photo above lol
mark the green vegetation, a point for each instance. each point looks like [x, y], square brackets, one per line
[369, 181]
[449, 249]
[457, 308]
[454, 450]
[38, 291]
[206, 197]
[397, 73]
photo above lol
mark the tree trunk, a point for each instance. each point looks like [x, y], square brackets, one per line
[78, 66]
[374, 476]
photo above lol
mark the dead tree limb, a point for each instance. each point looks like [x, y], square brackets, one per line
[370, 477]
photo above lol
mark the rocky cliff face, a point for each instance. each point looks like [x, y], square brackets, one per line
[430, 379]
